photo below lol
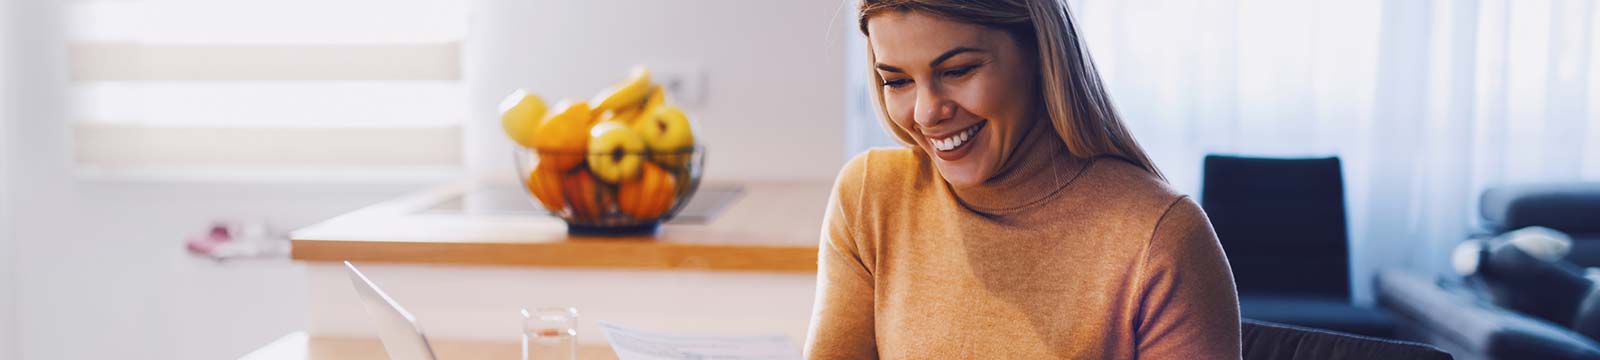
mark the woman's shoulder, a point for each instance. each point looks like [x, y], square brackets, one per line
[1150, 208]
[1131, 190]
[879, 169]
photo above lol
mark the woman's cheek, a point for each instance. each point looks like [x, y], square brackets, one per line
[901, 113]
[972, 98]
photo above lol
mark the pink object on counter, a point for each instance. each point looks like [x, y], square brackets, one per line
[206, 243]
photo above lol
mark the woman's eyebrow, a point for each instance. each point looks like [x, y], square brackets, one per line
[953, 52]
[936, 61]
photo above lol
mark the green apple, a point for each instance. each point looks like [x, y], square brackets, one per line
[615, 152]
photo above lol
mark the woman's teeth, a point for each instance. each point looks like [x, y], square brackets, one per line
[955, 141]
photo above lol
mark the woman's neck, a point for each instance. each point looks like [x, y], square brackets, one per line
[1038, 167]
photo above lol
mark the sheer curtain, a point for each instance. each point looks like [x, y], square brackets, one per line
[1427, 102]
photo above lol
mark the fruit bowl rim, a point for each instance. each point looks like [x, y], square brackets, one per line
[682, 151]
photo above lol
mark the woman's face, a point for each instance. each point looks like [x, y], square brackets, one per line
[965, 93]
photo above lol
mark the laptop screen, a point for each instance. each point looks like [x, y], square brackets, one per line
[402, 337]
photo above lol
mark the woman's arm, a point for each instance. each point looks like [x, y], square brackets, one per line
[842, 318]
[1189, 308]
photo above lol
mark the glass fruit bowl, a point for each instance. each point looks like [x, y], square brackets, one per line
[615, 193]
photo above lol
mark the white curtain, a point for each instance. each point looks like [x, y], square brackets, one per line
[1427, 102]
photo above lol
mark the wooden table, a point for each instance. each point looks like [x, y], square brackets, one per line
[300, 346]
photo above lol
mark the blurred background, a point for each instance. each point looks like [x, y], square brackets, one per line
[129, 125]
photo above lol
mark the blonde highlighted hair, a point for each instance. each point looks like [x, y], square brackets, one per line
[1070, 88]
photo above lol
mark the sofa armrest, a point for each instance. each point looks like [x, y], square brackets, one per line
[1475, 326]
[1569, 207]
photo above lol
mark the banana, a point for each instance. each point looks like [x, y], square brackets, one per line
[626, 117]
[657, 97]
[630, 92]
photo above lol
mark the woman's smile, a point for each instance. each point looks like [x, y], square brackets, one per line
[956, 145]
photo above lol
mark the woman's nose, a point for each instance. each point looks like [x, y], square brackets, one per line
[933, 107]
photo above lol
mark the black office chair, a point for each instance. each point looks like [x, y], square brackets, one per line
[1282, 224]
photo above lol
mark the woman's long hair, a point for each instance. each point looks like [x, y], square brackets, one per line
[1071, 90]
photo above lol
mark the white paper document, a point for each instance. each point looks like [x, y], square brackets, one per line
[632, 344]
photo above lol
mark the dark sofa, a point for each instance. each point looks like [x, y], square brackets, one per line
[1515, 306]
[1572, 208]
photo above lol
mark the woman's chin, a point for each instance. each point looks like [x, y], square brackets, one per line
[960, 173]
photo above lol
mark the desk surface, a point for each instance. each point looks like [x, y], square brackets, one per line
[769, 227]
[299, 346]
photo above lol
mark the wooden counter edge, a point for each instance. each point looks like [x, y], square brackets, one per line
[569, 254]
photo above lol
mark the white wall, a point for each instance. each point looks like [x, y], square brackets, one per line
[775, 104]
[34, 156]
[7, 266]
[99, 267]
[100, 271]
[112, 279]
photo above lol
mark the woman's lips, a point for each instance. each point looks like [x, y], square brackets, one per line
[955, 147]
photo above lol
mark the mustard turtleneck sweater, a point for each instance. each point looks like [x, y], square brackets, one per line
[1055, 257]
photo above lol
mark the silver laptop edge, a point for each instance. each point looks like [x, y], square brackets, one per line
[402, 337]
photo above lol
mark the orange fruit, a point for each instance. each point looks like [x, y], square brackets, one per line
[563, 137]
[545, 184]
[585, 194]
[650, 195]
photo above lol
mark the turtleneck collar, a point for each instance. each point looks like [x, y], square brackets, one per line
[1038, 167]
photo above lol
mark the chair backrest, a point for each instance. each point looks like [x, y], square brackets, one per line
[1281, 222]
[1270, 341]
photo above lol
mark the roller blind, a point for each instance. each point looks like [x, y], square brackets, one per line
[266, 84]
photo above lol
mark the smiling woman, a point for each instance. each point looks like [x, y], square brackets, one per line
[1022, 220]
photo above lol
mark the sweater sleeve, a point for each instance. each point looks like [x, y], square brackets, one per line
[1188, 308]
[842, 324]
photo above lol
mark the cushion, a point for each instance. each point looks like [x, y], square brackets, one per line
[1547, 290]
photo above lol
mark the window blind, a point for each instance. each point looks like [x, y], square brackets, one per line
[291, 84]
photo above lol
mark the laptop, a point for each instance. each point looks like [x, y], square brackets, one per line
[402, 337]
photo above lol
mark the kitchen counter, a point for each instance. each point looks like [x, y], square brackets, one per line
[752, 227]
[465, 257]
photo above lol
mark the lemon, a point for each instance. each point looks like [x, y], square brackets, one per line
[519, 115]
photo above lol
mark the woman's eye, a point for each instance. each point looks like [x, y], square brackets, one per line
[896, 83]
[959, 72]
